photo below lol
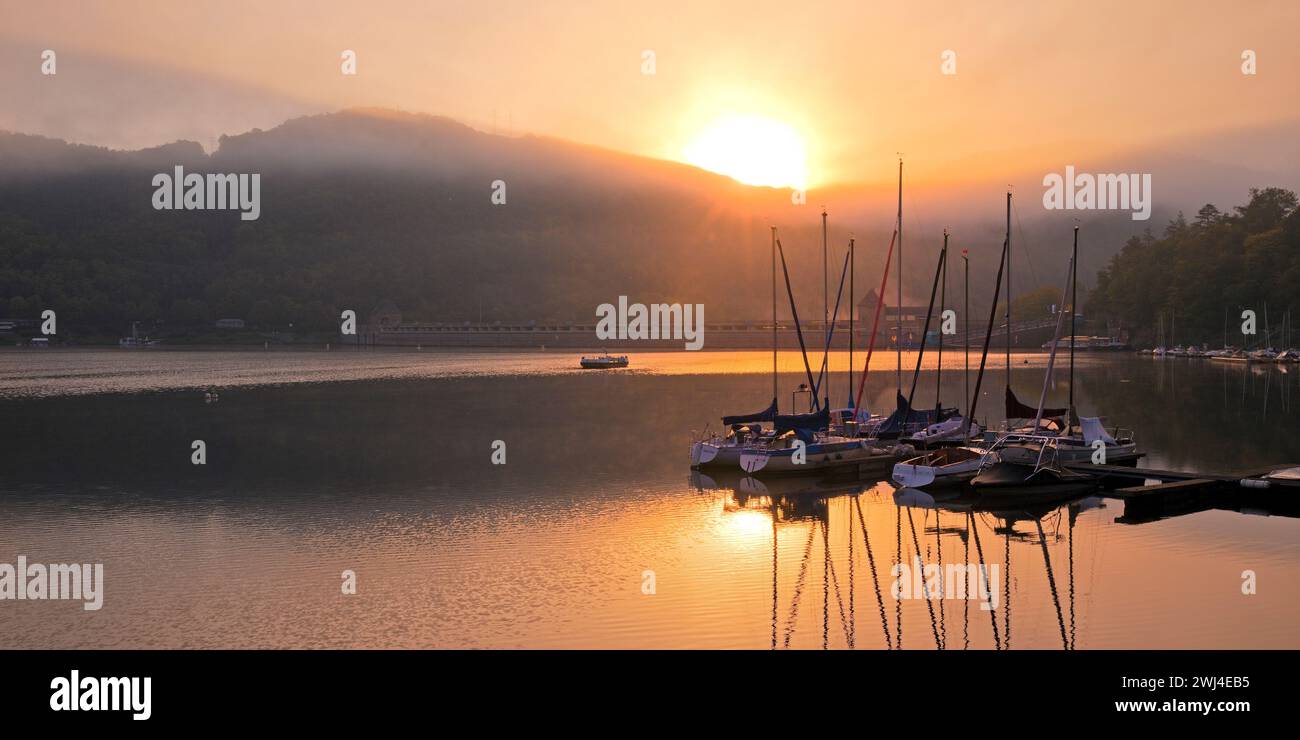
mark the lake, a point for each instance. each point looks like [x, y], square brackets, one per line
[595, 533]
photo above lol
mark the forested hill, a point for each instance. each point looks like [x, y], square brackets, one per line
[361, 207]
[1198, 271]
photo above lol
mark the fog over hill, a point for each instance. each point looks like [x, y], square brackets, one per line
[367, 205]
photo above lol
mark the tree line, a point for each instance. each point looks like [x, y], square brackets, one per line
[1198, 276]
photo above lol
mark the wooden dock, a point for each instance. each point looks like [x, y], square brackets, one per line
[1180, 492]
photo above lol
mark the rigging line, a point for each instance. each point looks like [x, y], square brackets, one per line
[835, 581]
[898, 558]
[916, 374]
[794, 314]
[871, 345]
[1071, 549]
[853, 627]
[1006, 584]
[826, 588]
[774, 572]
[798, 585]
[1028, 256]
[1097, 536]
[938, 545]
[830, 330]
[934, 626]
[875, 576]
[922, 224]
[984, 575]
[965, 603]
[1051, 582]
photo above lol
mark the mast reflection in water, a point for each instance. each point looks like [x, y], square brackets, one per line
[380, 463]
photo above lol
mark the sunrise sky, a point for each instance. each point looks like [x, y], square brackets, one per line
[853, 83]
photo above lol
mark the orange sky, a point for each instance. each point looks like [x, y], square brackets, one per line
[857, 81]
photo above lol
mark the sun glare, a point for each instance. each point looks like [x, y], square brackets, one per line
[753, 150]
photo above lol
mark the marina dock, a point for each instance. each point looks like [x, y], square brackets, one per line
[1177, 492]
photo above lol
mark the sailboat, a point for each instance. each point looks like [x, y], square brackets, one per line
[744, 430]
[135, 341]
[907, 420]
[955, 465]
[804, 443]
[1159, 350]
[950, 427]
[795, 443]
[1075, 442]
[818, 453]
[1030, 460]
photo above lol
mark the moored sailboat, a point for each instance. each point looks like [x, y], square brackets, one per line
[744, 430]
[1027, 461]
[956, 465]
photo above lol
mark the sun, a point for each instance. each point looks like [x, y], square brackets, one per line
[753, 150]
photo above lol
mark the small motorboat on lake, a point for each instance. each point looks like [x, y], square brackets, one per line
[604, 362]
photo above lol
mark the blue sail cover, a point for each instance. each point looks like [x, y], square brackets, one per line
[765, 415]
[806, 422]
[905, 418]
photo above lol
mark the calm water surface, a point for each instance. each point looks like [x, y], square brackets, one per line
[379, 462]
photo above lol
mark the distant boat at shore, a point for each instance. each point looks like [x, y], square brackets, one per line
[135, 341]
[1092, 344]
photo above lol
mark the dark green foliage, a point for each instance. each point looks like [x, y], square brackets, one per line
[1196, 271]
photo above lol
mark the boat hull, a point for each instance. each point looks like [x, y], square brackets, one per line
[710, 455]
[1010, 480]
[1082, 453]
[865, 457]
[947, 431]
[949, 467]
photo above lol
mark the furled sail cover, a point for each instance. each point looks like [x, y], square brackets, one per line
[863, 414]
[765, 415]
[815, 421]
[905, 418]
[1017, 410]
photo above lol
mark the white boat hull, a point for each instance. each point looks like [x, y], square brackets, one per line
[931, 470]
[817, 456]
[948, 430]
[1082, 453]
[710, 454]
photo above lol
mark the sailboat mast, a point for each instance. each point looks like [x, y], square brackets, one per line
[925, 330]
[943, 303]
[898, 310]
[798, 330]
[852, 307]
[1268, 335]
[1074, 296]
[826, 289]
[988, 338]
[774, 391]
[1008, 313]
[875, 324]
[965, 259]
[1051, 356]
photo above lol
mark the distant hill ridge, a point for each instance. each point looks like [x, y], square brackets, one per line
[367, 205]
